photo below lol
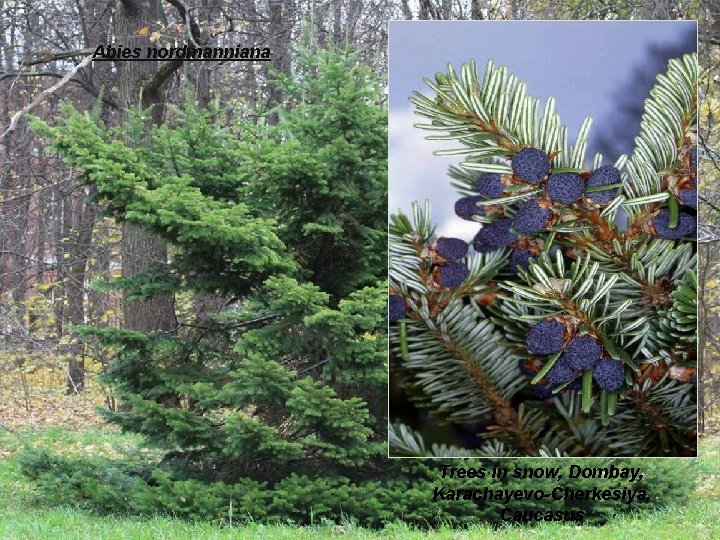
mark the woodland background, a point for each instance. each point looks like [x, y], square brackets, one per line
[53, 242]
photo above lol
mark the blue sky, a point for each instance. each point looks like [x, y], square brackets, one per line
[589, 67]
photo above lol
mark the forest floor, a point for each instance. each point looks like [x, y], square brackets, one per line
[67, 424]
[40, 399]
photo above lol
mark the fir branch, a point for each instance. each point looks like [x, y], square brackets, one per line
[406, 442]
[658, 420]
[495, 118]
[629, 288]
[474, 365]
[667, 134]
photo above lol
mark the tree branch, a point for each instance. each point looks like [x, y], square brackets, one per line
[92, 90]
[710, 204]
[193, 30]
[42, 95]
[159, 77]
[53, 57]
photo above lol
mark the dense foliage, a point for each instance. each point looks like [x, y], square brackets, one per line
[403, 492]
[571, 326]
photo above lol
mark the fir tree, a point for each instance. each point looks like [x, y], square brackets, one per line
[287, 383]
[572, 333]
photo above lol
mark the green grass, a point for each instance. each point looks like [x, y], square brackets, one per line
[21, 517]
[697, 520]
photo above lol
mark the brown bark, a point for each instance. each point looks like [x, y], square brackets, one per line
[406, 12]
[142, 82]
[338, 30]
[706, 254]
[83, 221]
[141, 250]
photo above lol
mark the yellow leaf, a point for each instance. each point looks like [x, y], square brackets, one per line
[144, 30]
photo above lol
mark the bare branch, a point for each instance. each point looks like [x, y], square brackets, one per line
[193, 30]
[91, 89]
[53, 57]
[42, 95]
[160, 76]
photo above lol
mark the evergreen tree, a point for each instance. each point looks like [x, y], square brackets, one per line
[563, 331]
[290, 376]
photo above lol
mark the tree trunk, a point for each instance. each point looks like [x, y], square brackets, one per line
[83, 220]
[142, 82]
[140, 250]
[705, 257]
[135, 85]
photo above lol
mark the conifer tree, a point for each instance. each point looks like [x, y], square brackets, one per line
[290, 377]
[569, 328]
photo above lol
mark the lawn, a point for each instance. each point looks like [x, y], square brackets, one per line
[22, 517]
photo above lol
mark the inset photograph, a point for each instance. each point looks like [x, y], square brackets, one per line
[543, 239]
